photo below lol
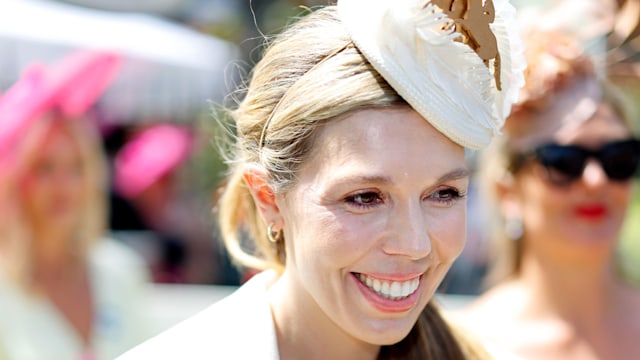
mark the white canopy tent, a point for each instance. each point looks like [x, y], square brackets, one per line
[170, 71]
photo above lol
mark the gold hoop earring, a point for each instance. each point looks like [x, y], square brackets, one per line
[273, 236]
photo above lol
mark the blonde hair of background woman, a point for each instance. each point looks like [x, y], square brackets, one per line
[309, 74]
[15, 230]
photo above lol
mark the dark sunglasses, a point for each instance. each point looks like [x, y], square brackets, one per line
[566, 163]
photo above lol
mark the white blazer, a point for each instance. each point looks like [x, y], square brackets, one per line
[239, 326]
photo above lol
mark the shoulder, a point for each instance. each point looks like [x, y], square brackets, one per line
[495, 316]
[15, 303]
[498, 305]
[476, 345]
[499, 353]
[239, 326]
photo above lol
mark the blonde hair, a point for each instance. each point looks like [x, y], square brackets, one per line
[16, 232]
[556, 61]
[309, 74]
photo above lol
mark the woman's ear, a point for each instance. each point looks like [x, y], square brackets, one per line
[256, 178]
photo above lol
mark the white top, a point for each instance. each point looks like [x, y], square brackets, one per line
[239, 326]
[32, 328]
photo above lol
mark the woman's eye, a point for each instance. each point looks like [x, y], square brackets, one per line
[365, 200]
[447, 197]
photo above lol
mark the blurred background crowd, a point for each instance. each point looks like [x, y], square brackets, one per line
[167, 70]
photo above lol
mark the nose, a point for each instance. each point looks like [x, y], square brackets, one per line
[593, 174]
[408, 235]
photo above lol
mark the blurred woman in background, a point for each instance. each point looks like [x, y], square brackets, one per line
[562, 182]
[65, 293]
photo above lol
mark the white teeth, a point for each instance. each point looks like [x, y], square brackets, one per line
[385, 288]
[406, 287]
[376, 285]
[395, 290]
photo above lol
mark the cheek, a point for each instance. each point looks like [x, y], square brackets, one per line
[32, 191]
[333, 239]
[622, 194]
[447, 231]
[538, 202]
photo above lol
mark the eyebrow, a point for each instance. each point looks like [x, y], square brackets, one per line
[456, 174]
[373, 179]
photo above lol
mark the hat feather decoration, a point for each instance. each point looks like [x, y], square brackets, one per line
[457, 63]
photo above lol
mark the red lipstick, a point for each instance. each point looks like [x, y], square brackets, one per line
[592, 212]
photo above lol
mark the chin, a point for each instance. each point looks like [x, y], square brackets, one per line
[64, 224]
[389, 334]
[595, 238]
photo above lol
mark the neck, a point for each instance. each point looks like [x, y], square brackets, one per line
[52, 253]
[304, 331]
[580, 294]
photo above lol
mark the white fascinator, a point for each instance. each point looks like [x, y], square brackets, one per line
[459, 63]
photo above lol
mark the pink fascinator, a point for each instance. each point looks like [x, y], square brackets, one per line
[149, 156]
[70, 86]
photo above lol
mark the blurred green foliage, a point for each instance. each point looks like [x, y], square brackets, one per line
[630, 242]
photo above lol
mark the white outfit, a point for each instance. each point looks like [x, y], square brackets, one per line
[32, 328]
[239, 326]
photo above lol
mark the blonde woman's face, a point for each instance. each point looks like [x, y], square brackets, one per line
[52, 189]
[373, 223]
[579, 221]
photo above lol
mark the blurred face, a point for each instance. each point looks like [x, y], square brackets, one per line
[373, 223]
[579, 220]
[52, 189]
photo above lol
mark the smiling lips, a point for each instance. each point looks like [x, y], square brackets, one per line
[392, 290]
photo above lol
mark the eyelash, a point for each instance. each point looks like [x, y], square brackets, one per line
[353, 200]
[450, 197]
[445, 197]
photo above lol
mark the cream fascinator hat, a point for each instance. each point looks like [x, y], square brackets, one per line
[458, 63]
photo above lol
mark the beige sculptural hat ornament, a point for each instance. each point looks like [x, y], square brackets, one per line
[459, 63]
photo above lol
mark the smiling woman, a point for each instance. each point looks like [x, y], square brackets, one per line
[373, 235]
[349, 179]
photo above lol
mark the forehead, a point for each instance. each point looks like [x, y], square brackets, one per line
[604, 125]
[576, 116]
[376, 138]
[58, 132]
[58, 140]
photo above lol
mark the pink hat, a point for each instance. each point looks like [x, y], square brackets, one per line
[70, 86]
[149, 156]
